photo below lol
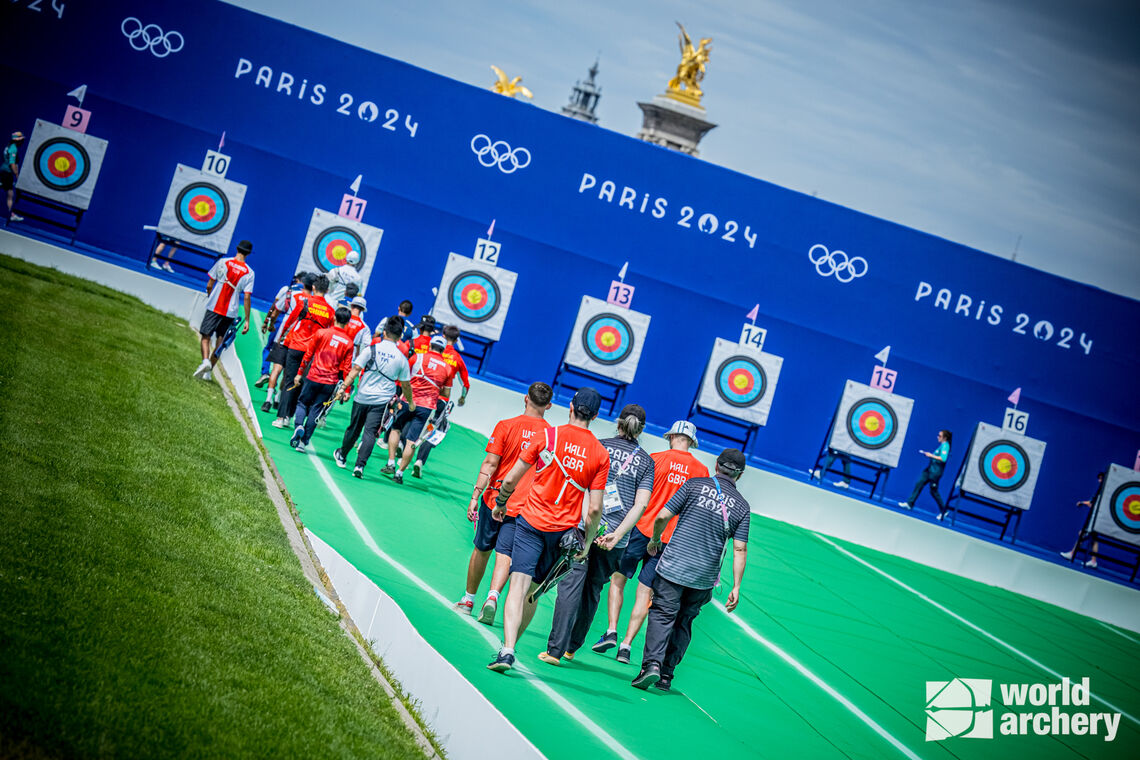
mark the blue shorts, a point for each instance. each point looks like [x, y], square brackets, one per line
[636, 551]
[490, 534]
[535, 551]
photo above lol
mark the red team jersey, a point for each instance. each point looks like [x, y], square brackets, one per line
[430, 373]
[670, 471]
[231, 278]
[510, 439]
[452, 357]
[355, 325]
[554, 503]
[294, 300]
[422, 344]
[330, 352]
[305, 320]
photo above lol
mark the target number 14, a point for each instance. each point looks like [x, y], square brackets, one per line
[752, 336]
[487, 250]
[1015, 421]
[216, 163]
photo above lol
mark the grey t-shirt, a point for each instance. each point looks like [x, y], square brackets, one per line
[692, 556]
[637, 475]
[380, 371]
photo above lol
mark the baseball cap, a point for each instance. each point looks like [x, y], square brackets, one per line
[428, 321]
[635, 409]
[359, 301]
[437, 341]
[731, 459]
[245, 247]
[587, 401]
[17, 135]
[685, 428]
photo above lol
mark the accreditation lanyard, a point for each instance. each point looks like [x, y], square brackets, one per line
[722, 501]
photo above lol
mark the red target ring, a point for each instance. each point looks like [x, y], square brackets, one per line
[1004, 467]
[474, 296]
[202, 208]
[61, 164]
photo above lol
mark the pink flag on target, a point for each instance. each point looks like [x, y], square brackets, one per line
[752, 314]
[1015, 397]
[491, 229]
[222, 142]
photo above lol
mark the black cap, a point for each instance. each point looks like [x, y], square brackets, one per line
[245, 247]
[635, 409]
[731, 460]
[586, 403]
[426, 321]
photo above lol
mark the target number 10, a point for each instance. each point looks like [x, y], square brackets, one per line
[1015, 421]
[216, 163]
[752, 336]
[487, 250]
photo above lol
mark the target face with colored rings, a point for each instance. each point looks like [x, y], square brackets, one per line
[474, 296]
[872, 423]
[332, 246]
[62, 164]
[1125, 506]
[740, 381]
[607, 338]
[1004, 466]
[202, 208]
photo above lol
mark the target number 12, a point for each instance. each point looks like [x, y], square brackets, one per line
[487, 250]
[752, 336]
[216, 163]
[1015, 421]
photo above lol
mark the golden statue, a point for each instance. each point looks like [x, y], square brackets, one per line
[685, 86]
[509, 87]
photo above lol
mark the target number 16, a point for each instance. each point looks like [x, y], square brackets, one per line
[216, 163]
[487, 250]
[1015, 421]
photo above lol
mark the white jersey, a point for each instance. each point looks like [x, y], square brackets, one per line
[339, 279]
[382, 366]
[232, 278]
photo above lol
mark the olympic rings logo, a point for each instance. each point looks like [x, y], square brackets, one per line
[845, 268]
[151, 36]
[499, 153]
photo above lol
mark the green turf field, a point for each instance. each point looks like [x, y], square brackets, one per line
[150, 605]
[825, 657]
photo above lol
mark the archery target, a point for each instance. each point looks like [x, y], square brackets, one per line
[739, 382]
[1118, 506]
[607, 340]
[871, 424]
[475, 296]
[1002, 466]
[201, 209]
[329, 240]
[61, 164]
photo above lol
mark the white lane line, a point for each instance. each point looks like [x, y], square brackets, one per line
[1119, 632]
[826, 687]
[966, 622]
[346, 506]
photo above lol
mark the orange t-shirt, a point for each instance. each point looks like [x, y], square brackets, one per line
[510, 439]
[671, 469]
[554, 504]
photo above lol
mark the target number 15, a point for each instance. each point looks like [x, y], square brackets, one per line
[1015, 421]
[884, 379]
[216, 163]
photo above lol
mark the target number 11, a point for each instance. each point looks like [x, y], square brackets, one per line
[216, 163]
[1015, 421]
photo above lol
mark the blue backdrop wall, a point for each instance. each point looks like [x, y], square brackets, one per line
[304, 114]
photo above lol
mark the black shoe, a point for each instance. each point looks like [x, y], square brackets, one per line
[276, 404]
[267, 407]
[398, 478]
[261, 381]
[358, 472]
[502, 663]
[622, 655]
[665, 683]
[387, 469]
[607, 642]
[339, 459]
[417, 469]
[649, 675]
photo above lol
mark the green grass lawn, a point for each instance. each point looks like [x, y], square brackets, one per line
[150, 605]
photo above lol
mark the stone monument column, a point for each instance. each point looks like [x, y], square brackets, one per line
[676, 118]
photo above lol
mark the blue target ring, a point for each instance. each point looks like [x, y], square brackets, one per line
[202, 208]
[1004, 466]
[474, 296]
[740, 381]
[872, 423]
[607, 338]
[1125, 506]
[62, 164]
[332, 246]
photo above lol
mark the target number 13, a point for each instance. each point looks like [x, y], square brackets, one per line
[487, 250]
[1015, 421]
[620, 294]
[216, 163]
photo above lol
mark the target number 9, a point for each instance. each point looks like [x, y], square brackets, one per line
[216, 163]
[753, 336]
[76, 119]
[620, 294]
[884, 379]
[487, 250]
[1015, 421]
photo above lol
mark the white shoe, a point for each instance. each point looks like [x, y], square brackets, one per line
[1091, 563]
[167, 267]
[939, 516]
[1067, 555]
[814, 474]
[464, 607]
[842, 484]
[279, 422]
[208, 376]
[906, 505]
[15, 217]
[155, 264]
[203, 368]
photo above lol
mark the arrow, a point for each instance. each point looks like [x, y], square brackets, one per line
[752, 314]
[491, 229]
[355, 186]
[883, 355]
[1015, 397]
[78, 93]
[621, 274]
[222, 140]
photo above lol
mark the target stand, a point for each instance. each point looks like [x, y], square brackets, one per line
[1115, 520]
[996, 479]
[869, 473]
[475, 295]
[736, 391]
[612, 391]
[203, 262]
[49, 212]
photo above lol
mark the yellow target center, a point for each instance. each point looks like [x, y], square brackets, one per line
[339, 252]
[1004, 466]
[740, 382]
[872, 424]
[62, 164]
[1133, 508]
[201, 208]
[475, 298]
[608, 340]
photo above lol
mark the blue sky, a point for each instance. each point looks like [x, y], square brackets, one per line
[976, 121]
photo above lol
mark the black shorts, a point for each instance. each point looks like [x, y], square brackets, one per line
[277, 353]
[490, 534]
[535, 551]
[215, 324]
[7, 180]
[637, 551]
[411, 424]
